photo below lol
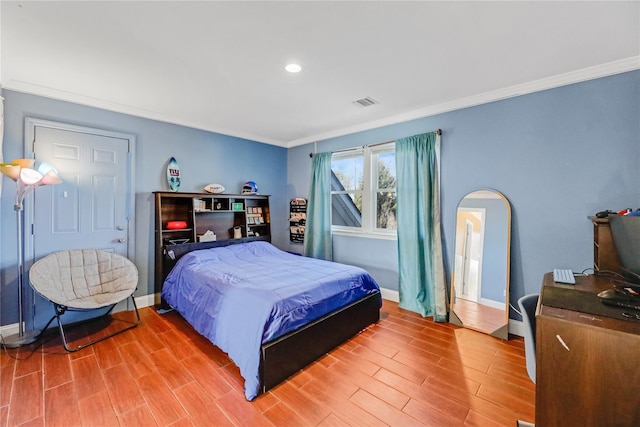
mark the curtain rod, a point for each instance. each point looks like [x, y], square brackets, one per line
[437, 131]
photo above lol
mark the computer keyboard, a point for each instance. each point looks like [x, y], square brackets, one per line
[562, 275]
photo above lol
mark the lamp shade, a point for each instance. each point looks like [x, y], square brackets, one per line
[12, 170]
[30, 176]
[51, 178]
[46, 167]
[24, 163]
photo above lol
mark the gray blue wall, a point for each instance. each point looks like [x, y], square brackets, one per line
[204, 158]
[558, 155]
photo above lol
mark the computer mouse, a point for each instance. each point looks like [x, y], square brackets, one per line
[614, 295]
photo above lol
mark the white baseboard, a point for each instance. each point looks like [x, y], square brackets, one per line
[143, 301]
[515, 326]
[147, 300]
[390, 295]
[8, 330]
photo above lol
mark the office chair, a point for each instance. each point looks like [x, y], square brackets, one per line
[527, 306]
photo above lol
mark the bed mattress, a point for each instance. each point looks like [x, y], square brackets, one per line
[241, 296]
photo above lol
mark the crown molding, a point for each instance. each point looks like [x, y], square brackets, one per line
[585, 74]
[589, 73]
[47, 92]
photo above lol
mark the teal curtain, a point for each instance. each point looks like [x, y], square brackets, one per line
[422, 285]
[317, 236]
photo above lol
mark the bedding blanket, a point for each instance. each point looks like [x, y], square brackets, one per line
[241, 296]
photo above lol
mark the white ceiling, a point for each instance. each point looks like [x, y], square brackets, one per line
[218, 66]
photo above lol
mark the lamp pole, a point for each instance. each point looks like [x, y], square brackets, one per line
[26, 179]
[22, 337]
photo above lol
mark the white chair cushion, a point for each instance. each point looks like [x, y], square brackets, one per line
[86, 278]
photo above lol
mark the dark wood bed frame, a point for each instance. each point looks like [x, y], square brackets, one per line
[286, 355]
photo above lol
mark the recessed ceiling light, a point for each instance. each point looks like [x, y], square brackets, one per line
[293, 68]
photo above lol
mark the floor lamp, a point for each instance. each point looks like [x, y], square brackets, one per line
[27, 179]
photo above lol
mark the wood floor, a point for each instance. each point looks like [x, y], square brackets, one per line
[478, 316]
[403, 371]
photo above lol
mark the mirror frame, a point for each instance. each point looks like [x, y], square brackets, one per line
[502, 331]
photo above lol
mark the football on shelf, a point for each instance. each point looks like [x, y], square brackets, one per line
[214, 188]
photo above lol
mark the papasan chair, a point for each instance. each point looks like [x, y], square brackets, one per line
[84, 280]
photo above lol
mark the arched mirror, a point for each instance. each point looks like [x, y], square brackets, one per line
[480, 280]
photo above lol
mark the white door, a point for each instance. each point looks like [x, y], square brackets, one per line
[466, 264]
[92, 207]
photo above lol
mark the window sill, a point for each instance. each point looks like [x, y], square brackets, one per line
[365, 235]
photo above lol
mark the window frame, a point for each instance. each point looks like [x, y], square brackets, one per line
[369, 193]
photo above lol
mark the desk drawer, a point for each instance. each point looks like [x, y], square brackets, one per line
[586, 375]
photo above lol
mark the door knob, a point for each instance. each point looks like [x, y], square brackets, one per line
[122, 239]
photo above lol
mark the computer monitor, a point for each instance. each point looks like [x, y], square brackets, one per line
[625, 231]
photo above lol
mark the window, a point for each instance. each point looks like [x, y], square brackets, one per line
[363, 190]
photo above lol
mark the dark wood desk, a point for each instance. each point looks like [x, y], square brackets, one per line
[587, 366]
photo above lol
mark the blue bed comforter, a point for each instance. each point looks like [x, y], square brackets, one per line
[241, 296]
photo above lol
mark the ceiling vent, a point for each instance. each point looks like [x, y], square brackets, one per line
[365, 102]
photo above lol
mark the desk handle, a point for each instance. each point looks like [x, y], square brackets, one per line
[563, 343]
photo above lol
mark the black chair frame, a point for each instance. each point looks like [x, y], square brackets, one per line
[60, 310]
